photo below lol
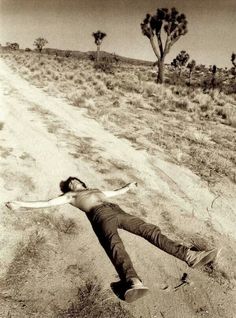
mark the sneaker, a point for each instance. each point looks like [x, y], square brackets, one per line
[135, 290]
[201, 258]
[129, 291]
[134, 283]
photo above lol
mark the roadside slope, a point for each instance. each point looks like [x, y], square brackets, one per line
[43, 140]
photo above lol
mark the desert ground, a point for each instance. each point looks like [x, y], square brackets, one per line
[60, 118]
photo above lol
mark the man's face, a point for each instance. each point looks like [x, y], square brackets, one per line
[75, 185]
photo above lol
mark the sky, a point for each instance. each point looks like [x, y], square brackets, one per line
[68, 24]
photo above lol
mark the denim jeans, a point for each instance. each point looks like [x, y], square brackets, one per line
[107, 218]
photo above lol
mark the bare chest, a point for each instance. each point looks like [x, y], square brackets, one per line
[86, 200]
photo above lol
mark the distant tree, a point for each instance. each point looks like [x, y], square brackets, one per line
[67, 53]
[174, 25]
[180, 61]
[39, 43]
[191, 66]
[213, 70]
[233, 56]
[115, 58]
[98, 37]
[201, 68]
[13, 46]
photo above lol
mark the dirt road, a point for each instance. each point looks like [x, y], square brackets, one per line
[45, 140]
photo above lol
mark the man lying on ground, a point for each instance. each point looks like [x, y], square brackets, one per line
[106, 218]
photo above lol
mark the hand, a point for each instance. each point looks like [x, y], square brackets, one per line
[12, 205]
[132, 185]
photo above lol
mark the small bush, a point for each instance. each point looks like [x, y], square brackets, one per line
[105, 65]
[150, 89]
[182, 104]
[66, 226]
[93, 302]
[60, 224]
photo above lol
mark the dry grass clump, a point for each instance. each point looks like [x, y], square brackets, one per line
[77, 98]
[230, 114]
[182, 103]
[78, 80]
[150, 89]
[65, 225]
[110, 83]
[93, 302]
[100, 88]
[59, 224]
[26, 253]
[88, 91]
[69, 76]
[210, 164]
[137, 101]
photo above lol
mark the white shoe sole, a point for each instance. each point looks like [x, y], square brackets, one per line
[208, 258]
[133, 294]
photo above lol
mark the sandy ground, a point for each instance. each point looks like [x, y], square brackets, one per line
[45, 140]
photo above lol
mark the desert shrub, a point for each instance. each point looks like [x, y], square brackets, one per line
[88, 91]
[78, 81]
[116, 103]
[93, 302]
[100, 88]
[77, 98]
[65, 225]
[69, 76]
[57, 223]
[129, 85]
[106, 65]
[150, 89]
[137, 101]
[55, 76]
[182, 103]
[209, 163]
[110, 84]
[231, 116]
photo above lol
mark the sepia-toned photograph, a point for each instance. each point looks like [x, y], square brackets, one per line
[117, 158]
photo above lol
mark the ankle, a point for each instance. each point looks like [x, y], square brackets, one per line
[135, 281]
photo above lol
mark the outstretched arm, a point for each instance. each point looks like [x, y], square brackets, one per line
[63, 199]
[119, 191]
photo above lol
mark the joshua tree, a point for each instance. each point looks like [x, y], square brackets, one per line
[174, 25]
[39, 43]
[233, 56]
[191, 66]
[180, 61]
[98, 37]
[213, 70]
[233, 69]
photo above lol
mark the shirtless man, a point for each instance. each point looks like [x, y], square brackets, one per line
[105, 218]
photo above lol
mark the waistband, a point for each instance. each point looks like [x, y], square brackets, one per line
[104, 204]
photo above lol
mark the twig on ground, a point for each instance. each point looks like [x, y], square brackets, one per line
[214, 200]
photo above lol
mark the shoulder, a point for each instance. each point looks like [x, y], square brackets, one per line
[69, 195]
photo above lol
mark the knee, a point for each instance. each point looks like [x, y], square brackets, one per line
[148, 229]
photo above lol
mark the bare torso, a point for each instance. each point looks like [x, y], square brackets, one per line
[86, 199]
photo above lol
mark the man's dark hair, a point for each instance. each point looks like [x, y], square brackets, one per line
[64, 185]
